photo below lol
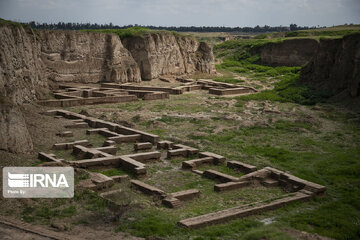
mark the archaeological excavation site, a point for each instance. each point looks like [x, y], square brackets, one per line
[180, 136]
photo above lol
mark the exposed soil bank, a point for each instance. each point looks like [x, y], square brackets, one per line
[335, 68]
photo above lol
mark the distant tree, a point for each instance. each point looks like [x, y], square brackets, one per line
[293, 27]
[79, 26]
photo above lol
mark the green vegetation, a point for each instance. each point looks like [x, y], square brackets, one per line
[243, 57]
[289, 90]
[7, 22]
[111, 172]
[46, 213]
[327, 32]
[131, 32]
[330, 32]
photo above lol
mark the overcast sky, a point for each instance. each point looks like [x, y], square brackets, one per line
[185, 12]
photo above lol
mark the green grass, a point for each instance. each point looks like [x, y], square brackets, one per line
[11, 23]
[320, 161]
[323, 33]
[243, 57]
[319, 146]
[111, 172]
[159, 224]
[47, 213]
[289, 90]
[132, 32]
[90, 200]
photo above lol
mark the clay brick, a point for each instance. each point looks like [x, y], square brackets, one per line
[257, 175]
[77, 120]
[181, 150]
[50, 112]
[171, 202]
[270, 182]
[113, 161]
[217, 158]
[87, 101]
[85, 153]
[48, 157]
[296, 182]
[77, 125]
[97, 131]
[108, 149]
[230, 91]
[109, 143]
[190, 150]
[229, 186]
[97, 182]
[142, 146]
[65, 134]
[66, 146]
[120, 179]
[198, 172]
[132, 165]
[186, 195]
[145, 157]
[145, 137]
[243, 167]
[125, 138]
[197, 162]
[101, 181]
[165, 145]
[146, 188]
[178, 152]
[212, 174]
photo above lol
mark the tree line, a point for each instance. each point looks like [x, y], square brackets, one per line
[80, 26]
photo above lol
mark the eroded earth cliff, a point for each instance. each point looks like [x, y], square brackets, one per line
[72, 56]
[292, 52]
[164, 53]
[22, 79]
[336, 67]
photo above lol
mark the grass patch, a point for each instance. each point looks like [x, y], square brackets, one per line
[111, 172]
[153, 223]
[322, 33]
[11, 23]
[46, 213]
[289, 90]
[133, 32]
